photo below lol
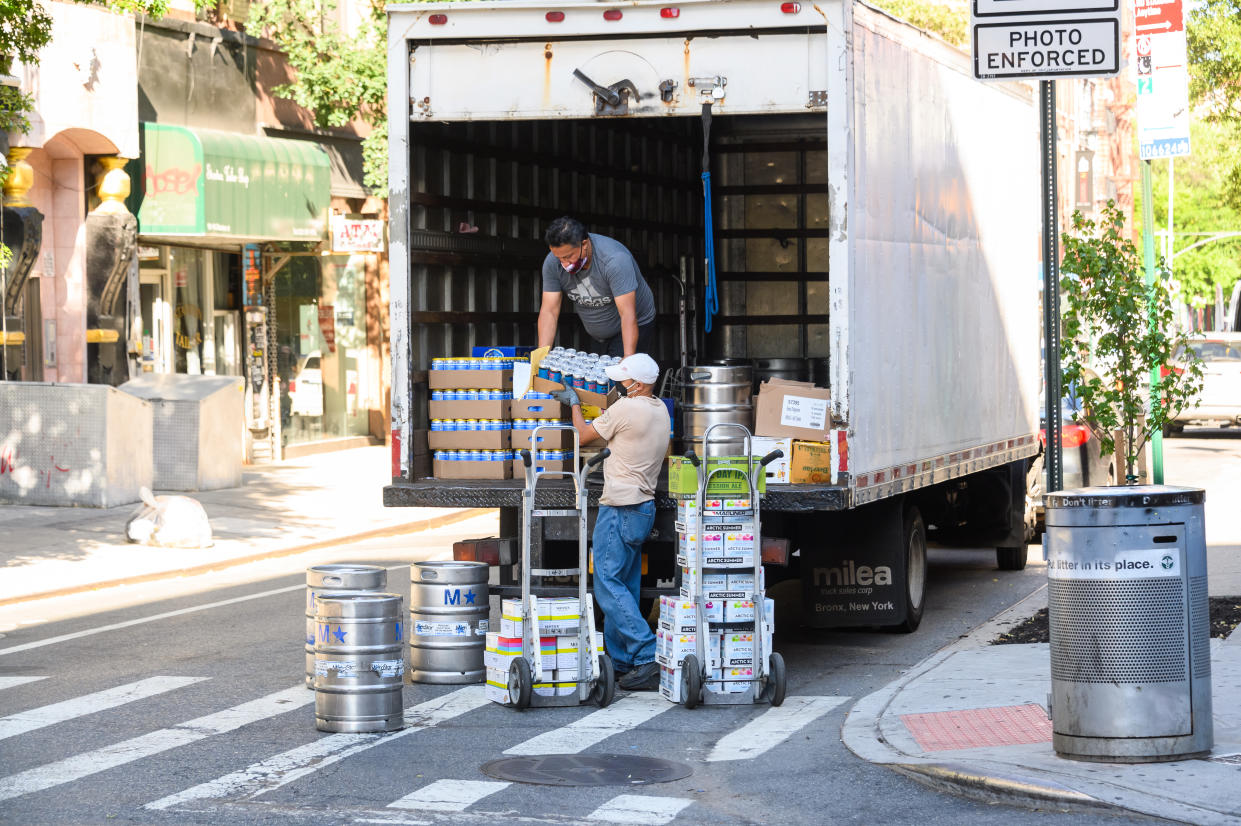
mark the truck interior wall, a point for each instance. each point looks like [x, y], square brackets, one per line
[482, 194]
[771, 210]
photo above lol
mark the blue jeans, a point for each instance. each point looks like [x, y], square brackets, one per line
[619, 534]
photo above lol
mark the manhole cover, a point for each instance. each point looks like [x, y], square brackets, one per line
[586, 770]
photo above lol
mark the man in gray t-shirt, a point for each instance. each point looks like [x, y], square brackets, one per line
[602, 279]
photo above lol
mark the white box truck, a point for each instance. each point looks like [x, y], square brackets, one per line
[876, 217]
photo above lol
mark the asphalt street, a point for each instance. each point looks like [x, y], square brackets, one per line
[183, 702]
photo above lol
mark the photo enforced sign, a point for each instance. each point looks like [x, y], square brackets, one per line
[1045, 39]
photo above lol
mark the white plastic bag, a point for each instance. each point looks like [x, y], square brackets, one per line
[169, 522]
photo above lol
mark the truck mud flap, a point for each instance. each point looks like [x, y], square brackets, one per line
[856, 577]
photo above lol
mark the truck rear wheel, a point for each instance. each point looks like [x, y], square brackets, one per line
[1011, 559]
[913, 544]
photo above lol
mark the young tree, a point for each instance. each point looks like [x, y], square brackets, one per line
[1116, 330]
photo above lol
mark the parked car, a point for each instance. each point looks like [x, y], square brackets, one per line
[1220, 402]
[306, 386]
[1082, 461]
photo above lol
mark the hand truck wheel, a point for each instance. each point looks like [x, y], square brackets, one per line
[520, 683]
[604, 691]
[777, 681]
[691, 682]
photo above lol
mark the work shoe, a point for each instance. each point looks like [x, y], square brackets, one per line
[643, 677]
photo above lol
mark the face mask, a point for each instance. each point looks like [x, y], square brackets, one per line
[574, 267]
[622, 389]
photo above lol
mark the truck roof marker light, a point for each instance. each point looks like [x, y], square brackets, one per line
[669, 13]
[790, 8]
[555, 17]
[437, 19]
[612, 14]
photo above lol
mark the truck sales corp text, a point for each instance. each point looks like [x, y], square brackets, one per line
[1046, 48]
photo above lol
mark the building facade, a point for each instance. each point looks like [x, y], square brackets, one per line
[188, 216]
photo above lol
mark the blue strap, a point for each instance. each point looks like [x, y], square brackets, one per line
[712, 293]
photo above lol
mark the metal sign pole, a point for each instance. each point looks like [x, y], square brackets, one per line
[1148, 262]
[1053, 454]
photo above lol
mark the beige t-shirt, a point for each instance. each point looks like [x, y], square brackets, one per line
[637, 430]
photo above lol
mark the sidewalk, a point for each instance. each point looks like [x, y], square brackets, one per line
[279, 510]
[971, 719]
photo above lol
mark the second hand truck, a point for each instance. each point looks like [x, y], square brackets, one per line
[596, 678]
[768, 681]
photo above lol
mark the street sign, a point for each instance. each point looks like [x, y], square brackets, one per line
[1045, 39]
[1162, 79]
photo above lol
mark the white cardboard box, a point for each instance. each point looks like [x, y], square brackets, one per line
[670, 684]
[567, 651]
[557, 616]
[671, 649]
[778, 469]
[737, 650]
[714, 585]
[737, 679]
[676, 614]
[738, 610]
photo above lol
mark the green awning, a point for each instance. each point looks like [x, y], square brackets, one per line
[199, 182]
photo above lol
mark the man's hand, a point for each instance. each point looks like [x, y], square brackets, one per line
[566, 396]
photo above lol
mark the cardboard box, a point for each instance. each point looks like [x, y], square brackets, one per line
[683, 477]
[554, 684]
[671, 649]
[714, 584]
[670, 684]
[501, 351]
[724, 546]
[548, 439]
[465, 379]
[586, 397]
[469, 439]
[677, 615]
[541, 409]
[491, 409]
[777, 470]
[737, 679]
[453, 469]
[496, 692]
[554, 465]
[737, 649]
[811, 463]
[558, 616]
[795, 409]
[567, 658]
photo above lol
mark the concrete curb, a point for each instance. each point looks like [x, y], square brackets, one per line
[275, 553]
[994, 787]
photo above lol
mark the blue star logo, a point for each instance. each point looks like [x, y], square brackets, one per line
[399, 638]
[469, 597]
[339, 634]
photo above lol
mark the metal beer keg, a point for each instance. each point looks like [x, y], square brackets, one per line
[448, 608]
[359, 662]
[338, 578]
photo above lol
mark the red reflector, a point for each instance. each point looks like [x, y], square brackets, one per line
[555, 17]
[669, 13]
[612, 14]
[790, 8]
[1074, 435]
[437, 19]
[292, 385]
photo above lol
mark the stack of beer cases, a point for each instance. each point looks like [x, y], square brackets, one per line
[559, 620]
[470, 429]
[725, 550]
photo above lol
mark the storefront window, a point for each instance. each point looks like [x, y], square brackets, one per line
[187, 270]
[321, 354]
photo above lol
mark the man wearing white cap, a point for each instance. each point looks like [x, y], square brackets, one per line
[637, 429]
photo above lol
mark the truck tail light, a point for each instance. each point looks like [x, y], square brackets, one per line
[775, 551]
[493, 551]
[437, 19]
[292, 385]
[790, 8]
[612, 14]
[669, 13]
[1074, 435]
[555, 17]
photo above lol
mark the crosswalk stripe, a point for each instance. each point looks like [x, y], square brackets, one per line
[772, 727]
[13, 682]
[624, 714]
[55, 713]
[288, 766]
[146, 745]
[642, 810]
[448, 795]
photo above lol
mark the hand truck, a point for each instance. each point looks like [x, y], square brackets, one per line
[768, 683]
[596, 678]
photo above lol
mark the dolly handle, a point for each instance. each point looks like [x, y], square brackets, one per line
[598, 457]
[693, 458]
[525, 457]
[770, 457]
